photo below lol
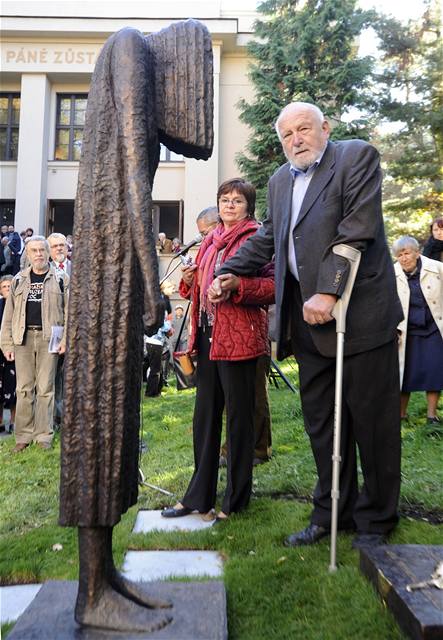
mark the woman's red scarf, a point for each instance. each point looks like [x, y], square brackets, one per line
[220, 238]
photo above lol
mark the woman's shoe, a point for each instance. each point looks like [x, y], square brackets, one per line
[209, 516]
[176, 512]
[219, 518]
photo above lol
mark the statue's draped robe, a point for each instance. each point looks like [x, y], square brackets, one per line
[144, 90]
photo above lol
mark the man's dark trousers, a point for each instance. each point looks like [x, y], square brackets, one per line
[370, 419]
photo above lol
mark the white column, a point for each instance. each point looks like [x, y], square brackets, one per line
[201, 178]
[30, 203]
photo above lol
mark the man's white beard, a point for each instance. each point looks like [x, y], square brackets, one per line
[301, 165]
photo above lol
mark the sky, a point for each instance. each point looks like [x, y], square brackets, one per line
[401, 9]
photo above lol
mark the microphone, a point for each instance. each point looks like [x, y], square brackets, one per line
[198, 238]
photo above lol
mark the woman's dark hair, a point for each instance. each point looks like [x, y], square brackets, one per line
[246, 189]
[438, 222]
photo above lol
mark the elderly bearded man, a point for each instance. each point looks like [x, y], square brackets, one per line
[58, 251]
[37, 303]
[329, 193]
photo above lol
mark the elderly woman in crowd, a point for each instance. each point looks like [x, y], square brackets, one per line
[434, 244]
[420, 289]
[228, 338]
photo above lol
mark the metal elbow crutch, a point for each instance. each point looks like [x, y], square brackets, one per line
[339, 312]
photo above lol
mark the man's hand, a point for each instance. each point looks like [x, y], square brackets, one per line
[317, 310]
[9, 355]
[188, 274]
[61, 349]
[229, 282]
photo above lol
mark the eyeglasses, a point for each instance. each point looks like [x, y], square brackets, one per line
[236, 202]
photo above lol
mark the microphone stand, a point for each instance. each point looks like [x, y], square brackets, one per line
[168, 273]
[141, 476]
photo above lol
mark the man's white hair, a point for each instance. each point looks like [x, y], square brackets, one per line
[38, 239]
[293, 106]
[57, 236]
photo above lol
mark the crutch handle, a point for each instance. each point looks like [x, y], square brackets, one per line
[341, 306]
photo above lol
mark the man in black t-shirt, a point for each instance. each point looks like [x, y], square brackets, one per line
[32, 334]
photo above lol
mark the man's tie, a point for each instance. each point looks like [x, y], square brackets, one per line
[61, 265]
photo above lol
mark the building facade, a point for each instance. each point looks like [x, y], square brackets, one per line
[48, 53]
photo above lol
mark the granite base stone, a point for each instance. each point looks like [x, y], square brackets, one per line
[199, 613]
[147, 521]
[15, 599]
[149, 566]
[391, 568]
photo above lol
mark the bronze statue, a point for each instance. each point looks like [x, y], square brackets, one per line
[145, 90]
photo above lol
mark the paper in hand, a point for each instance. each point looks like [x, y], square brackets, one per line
[56, 338]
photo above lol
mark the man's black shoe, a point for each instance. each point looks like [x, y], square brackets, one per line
[257, 461]
[312, 534]
[365, 540]
[172, 512]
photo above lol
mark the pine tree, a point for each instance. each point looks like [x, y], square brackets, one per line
[411, 96]
[307, 51]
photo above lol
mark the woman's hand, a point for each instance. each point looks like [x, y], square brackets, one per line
[188, 274]
[221, 287]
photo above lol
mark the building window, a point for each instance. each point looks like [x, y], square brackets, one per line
[60, 217]
[9, 121]
[7, 212]
[71, 111]
[169, 156]
[168, 218]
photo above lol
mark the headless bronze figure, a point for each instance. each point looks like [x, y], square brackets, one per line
[145, 90]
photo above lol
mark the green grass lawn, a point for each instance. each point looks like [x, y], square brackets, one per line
[273, 592]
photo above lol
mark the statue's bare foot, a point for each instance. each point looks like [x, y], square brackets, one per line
[110, 610]
[137, 592]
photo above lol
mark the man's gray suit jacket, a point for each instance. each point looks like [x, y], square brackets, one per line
[342, 205]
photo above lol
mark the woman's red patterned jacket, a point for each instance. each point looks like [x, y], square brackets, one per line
[240, 330]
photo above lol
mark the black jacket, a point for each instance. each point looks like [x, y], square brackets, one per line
[433, 248]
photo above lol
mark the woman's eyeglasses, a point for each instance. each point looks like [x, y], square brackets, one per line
[236, 202]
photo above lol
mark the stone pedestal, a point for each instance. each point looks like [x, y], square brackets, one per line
[391, 568]
[199, 613]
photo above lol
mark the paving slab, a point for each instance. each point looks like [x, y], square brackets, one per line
[15, 599]
[391, 568]
[152, 520]
[160, 565]
[198, 613]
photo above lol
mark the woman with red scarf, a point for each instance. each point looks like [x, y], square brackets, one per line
[228, 338]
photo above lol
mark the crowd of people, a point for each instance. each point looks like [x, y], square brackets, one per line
[327, 193]
[167, 245]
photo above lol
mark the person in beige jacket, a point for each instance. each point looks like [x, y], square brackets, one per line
[35, 309]
[420, 289]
